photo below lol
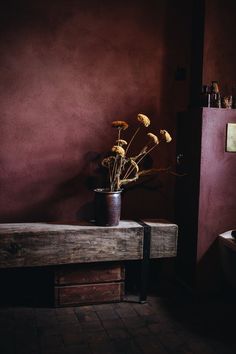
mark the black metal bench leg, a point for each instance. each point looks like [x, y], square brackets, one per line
[145, 263]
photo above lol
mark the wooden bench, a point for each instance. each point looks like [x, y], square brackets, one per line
[49, 244]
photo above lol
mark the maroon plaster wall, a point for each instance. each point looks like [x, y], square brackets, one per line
[217, 199]
[217, 203]
[219, 48]
[68, 68]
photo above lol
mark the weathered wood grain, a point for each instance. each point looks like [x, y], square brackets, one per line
[89, 273]
[43, 244]
[164, 237]
[89, 293]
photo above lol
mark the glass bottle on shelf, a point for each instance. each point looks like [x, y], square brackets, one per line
[205, 96]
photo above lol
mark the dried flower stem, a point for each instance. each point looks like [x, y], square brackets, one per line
[135, 133]
[118, 174]
[123, 169]
[113, 173]
[119, 130]
[110, 176]
[142, 153]
[114, 180]
[128, 173]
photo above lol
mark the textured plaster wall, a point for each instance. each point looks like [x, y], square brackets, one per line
[217, 197]
[68, 68]
[217, 203]
[219, 48]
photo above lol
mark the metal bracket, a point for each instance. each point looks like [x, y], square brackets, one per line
[145, 262]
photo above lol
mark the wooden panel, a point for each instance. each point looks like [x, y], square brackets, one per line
[41, 244]
[89, 294]
[92, 273]
[163, 238]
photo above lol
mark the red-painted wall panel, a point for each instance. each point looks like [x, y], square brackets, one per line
[217, 200]
[217, 197]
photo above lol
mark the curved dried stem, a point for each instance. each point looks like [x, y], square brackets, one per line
[134, 135]
[153, 171]
[128, 180]
[130, 170]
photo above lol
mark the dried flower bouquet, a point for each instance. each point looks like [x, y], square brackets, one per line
[124, 169]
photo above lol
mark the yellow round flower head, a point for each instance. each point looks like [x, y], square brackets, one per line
[143, 119]
[120, 124]
[118, 150]
[153, 137]
[121, 142]
[166, 135]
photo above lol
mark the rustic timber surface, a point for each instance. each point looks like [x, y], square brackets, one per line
[164, 237]
[41, 244]
[102, 272]
[88, 293]
[79, 284]
[44, 244]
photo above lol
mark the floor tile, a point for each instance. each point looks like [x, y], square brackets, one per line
[163, 326]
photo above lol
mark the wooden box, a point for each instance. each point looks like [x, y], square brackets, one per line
[89, 284]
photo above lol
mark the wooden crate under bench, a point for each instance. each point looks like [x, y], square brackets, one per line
[89, 284]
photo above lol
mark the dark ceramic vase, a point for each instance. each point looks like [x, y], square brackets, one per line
[107, 207]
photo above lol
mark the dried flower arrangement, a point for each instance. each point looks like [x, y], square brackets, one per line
[124, 169]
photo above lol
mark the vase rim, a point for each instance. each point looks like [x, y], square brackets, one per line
[107, 190]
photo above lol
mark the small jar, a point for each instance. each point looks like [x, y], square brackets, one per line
[227, 102]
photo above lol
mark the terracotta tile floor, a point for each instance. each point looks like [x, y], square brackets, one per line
[175, 324]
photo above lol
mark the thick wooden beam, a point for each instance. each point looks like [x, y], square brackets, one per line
[44, 244]
[164, 237]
